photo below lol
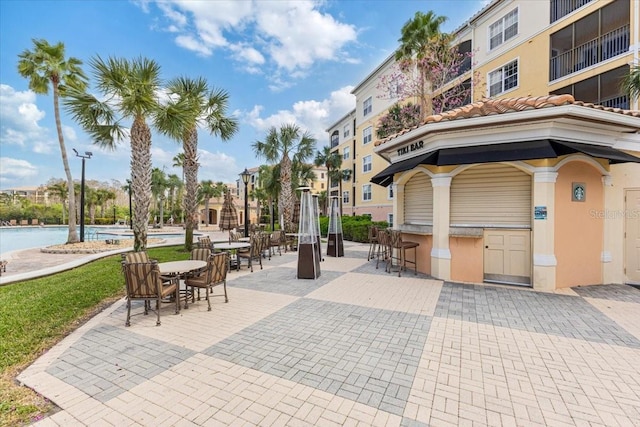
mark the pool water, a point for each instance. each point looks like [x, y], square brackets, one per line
[16, 238]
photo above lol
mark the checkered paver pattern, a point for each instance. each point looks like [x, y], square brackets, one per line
[357, 347]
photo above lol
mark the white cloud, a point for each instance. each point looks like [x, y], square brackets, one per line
[217, 167]
[20, 117]
[69, 133]
[284, 35]
[15, 170]
[314, 116]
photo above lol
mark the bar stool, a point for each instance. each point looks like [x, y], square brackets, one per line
[373, 241]
[401, 248]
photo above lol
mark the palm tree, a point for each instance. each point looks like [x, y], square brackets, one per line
[45, 65]
[631, 83]
[61, 190]
[268, 178]
[91, 200]
[278, 146]
[104, 195]
[174, 184]
[178, 162]
[332, 161]
[417, 36]
[191, 104]
[129, 88]
[158, 188]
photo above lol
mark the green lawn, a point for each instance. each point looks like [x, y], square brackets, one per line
[36, 314]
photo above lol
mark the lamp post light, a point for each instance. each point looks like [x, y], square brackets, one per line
[85, 156]
[245, 175]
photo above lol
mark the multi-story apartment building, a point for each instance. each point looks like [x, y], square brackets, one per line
[498, 171]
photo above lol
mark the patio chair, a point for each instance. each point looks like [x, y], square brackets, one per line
[383, 252]
[204, 242]
[215, 274]
[276, 241]
[200, 254]
[253, 254]
[143, 282]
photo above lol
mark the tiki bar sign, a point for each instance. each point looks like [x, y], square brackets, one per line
[410, 148]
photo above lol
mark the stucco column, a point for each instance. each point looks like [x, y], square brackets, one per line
[398, 200]
[543, 230]
[440, 253]
[612, 270]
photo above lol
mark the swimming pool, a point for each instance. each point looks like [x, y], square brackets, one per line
[16, 238]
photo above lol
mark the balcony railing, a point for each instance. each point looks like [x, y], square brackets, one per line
[560, 8]
[590, 53]
[621, 101]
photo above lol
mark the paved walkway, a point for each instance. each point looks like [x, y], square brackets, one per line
[355, 347]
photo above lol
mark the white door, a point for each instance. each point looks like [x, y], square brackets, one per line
[632, 236]
[507, 256]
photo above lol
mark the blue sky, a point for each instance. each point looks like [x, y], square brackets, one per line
[280, 61]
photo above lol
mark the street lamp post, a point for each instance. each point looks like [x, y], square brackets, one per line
[245, 175]
[85, 156]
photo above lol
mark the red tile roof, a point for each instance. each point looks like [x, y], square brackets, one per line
[489, 107]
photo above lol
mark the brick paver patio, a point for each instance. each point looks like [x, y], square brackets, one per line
[358, 346]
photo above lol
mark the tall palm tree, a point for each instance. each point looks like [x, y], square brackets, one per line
[44, 65]
[129, 89]
[174, 183]
[178, 162]
[631, 83]
[158, 187]
[268, 177]
[193, 104]
[417, 35]
[332, 161]
[286, 145]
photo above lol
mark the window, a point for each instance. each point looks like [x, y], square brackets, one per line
[335, 139]
[503, 79]
[345, 153]
[321, 175]
[345, 131]
[366, 164]
[367, 135]
[390, 192]
[313, 184]
[322, 185]
[366, 192]
[367, 106]
[504, 29]
[345, 197]
[390, 220]
[395, 88]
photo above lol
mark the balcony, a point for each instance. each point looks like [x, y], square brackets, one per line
[594, 51]
[560, 8]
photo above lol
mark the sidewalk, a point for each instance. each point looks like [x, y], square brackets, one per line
[357, 346]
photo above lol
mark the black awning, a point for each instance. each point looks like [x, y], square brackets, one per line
[385, 177]
[613, 155]
[527, 150]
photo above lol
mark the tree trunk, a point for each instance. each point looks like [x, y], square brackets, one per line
[92, 214]
[285, 202]
[161, 209]
[140, 181]
[190, 148]
[72, 237]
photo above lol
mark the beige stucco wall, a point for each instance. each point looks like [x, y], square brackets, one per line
[578, 232]
[466, 259]
[423, 252]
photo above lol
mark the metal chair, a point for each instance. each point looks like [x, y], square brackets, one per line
[373, 241]
[214, 275]
[144, 282]
[254, 253]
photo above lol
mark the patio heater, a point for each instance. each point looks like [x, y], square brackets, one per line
[245, 175]
[335, 245]
[308, 258]
[316, 215]
[85, 156]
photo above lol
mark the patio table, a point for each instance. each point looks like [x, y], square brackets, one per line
[230, 247]
[181, 269]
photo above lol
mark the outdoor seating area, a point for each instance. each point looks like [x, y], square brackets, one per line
[181, 282]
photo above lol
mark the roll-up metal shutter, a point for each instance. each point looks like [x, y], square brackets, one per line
[491, 195]
[418, 200]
